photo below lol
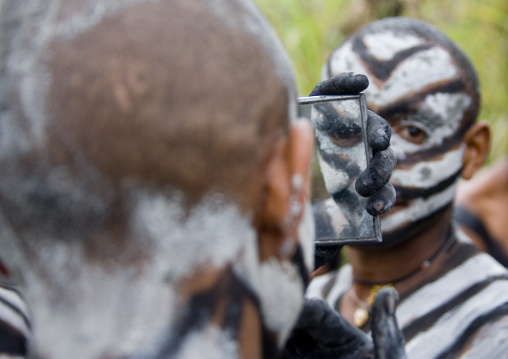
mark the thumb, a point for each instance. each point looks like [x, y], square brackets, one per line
[388, 339]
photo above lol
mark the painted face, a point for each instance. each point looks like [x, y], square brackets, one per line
[417, 88]
[342, 158]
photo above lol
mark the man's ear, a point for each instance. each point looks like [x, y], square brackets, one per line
[477, 141]
[301, 140]
[290, 161]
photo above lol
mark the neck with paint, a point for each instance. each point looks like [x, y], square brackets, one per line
[195, 289]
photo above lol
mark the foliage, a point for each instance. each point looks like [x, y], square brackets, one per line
[311, 29]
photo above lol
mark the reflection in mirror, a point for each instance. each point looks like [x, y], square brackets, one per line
[342, 154]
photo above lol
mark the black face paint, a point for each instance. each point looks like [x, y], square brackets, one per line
[341, 132]
[341, 163]
[383, 69]
[407, 193]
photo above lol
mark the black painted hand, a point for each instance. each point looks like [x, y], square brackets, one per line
[346, 83]
[323, 333]
[373, 182]
[388, 339]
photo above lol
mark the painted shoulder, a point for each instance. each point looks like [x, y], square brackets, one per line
[440, 318]
[14, 323]
[330, 286]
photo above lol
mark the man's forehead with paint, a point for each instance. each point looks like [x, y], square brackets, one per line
[426, 89]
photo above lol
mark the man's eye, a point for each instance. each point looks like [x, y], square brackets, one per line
[346, 138]
[412, 134]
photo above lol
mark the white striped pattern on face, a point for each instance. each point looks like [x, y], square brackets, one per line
[337, 179]
[438, 116]
[423, 175]
[418, 209]
[412, 75]
[426, 174]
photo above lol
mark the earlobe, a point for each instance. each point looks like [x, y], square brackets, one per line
[477, 142]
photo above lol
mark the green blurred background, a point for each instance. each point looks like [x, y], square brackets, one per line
[311, 29]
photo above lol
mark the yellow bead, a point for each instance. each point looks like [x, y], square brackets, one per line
[361, 317]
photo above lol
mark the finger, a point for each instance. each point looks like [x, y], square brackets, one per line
[388, 339]
[379, 132]
[381, 201]
[324, 254]
[346, 83]
[377, 174]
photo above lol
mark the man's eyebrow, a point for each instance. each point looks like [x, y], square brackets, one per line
[406, 103]
[333, 120]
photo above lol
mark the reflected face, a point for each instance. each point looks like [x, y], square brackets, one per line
[417, 88]
[339, 141]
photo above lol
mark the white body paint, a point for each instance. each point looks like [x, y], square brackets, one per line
[335, 180]
[205, 344]
[426, 174]
[112, 309]
[385, 48]
[448, 286]
[431, 342]
[417, 209]
[28, 56]
[123, 311]
[281, 295]
[9, 315]
[447, 111]
[439, 116]
[306, 235]
[422, 69]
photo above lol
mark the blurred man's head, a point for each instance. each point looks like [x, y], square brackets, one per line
[147, 160]
[427, 89]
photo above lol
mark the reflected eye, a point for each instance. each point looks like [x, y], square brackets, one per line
[347, 137]
[412, 133]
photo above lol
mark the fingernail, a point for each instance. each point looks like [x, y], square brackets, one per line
[379, 205]
[390, 305]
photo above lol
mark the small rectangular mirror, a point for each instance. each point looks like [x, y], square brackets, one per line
[342, 153]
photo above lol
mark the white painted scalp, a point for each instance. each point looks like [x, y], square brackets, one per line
[255, 23]
[385, 47]
[426, 174]
[92, 13]
[422, 69]
[26, 74]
